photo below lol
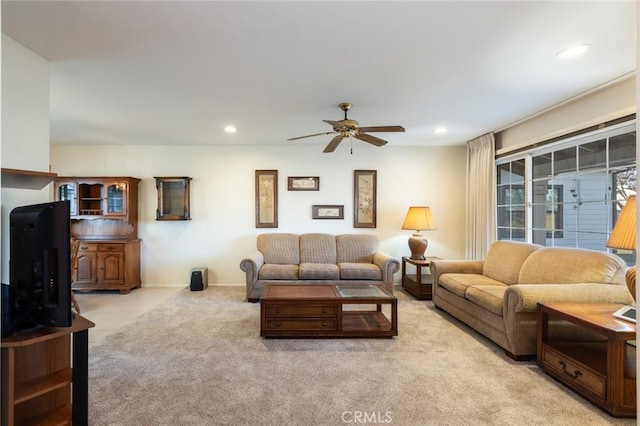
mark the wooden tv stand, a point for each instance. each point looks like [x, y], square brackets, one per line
[37, 375]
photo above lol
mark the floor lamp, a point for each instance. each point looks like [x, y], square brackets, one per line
[624, 237]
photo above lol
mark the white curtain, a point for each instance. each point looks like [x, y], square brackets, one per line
[481, 188]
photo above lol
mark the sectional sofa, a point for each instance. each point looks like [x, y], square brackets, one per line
[498, 296]
[283, 258]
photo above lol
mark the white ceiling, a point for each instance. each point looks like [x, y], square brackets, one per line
[177, 72]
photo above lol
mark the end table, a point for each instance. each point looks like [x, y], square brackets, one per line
[420, 284]
[598, 361]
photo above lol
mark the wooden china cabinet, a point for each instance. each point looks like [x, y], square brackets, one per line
[104, 218]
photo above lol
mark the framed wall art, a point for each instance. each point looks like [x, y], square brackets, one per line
[364, 198]
[327, 212]
[266, 193]
[303, 183]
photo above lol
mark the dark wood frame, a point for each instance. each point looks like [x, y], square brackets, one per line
[364, 198]
[316, 211]
[164, 189]
[265, 197]
[292, 180]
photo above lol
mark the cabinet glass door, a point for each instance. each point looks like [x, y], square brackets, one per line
[115, 198]
[68, 192]
[173, 198]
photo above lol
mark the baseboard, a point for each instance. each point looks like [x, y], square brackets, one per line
[182, 285]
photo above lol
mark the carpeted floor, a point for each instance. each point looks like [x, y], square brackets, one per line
[198, 359]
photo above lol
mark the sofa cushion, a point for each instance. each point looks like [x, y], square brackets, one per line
[319, 271]
[458, 283]
[356, 248]
[274, 271]
[283, 249]
[557, 265]
[317, 248]
[359, 271]
[505, 258]
[490, 297]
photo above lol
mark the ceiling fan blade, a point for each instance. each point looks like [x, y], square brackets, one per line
[382, 129]
[335, 124]
[333, 144]
[371, 139]
[309, 136]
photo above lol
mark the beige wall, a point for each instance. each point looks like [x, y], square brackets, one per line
[25, 129]
[222, 229]
[610, 102]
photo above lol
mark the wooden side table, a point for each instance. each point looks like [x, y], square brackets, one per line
[43, 372]
[420, 284]
[597, 361]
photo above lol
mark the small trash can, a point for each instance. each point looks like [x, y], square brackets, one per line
[199, 280]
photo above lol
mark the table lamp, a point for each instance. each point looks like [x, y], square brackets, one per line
[418, 219]
[624, 237]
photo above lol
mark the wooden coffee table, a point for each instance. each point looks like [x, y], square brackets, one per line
[319, 311]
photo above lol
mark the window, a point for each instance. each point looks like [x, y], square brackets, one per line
[567, 194]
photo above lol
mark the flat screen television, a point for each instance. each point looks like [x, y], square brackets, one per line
[39, 265]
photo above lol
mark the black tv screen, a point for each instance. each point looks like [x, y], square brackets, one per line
[39, 265]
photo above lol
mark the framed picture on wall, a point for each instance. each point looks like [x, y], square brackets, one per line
[302, 183]
[266, 193]
[327, 212]
[364, 198]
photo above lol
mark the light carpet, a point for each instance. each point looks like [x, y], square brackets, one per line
[198, 359]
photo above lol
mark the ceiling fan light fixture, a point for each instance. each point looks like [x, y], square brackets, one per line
[573, 51]
[347, 128]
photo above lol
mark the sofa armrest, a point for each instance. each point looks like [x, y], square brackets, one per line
[388, 265]
[440, 266]
[251, 265]
[525, 297]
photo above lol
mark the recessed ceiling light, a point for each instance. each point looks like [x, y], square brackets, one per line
[440, 130]
[230, 129]
[573, 51]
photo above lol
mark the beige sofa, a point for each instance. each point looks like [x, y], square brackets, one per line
[283, 258]
[498, 296]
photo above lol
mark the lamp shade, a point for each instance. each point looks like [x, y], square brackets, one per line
[419, 219]
[624, 232]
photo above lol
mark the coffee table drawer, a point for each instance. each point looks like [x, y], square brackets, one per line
[302, 324]
[297, 311]
[573, 373]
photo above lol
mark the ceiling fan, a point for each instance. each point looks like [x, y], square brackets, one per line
[350, 128]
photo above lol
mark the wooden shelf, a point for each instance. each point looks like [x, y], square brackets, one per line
[42, 385]
[45, 375]
[57, 417]
[26, 179]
